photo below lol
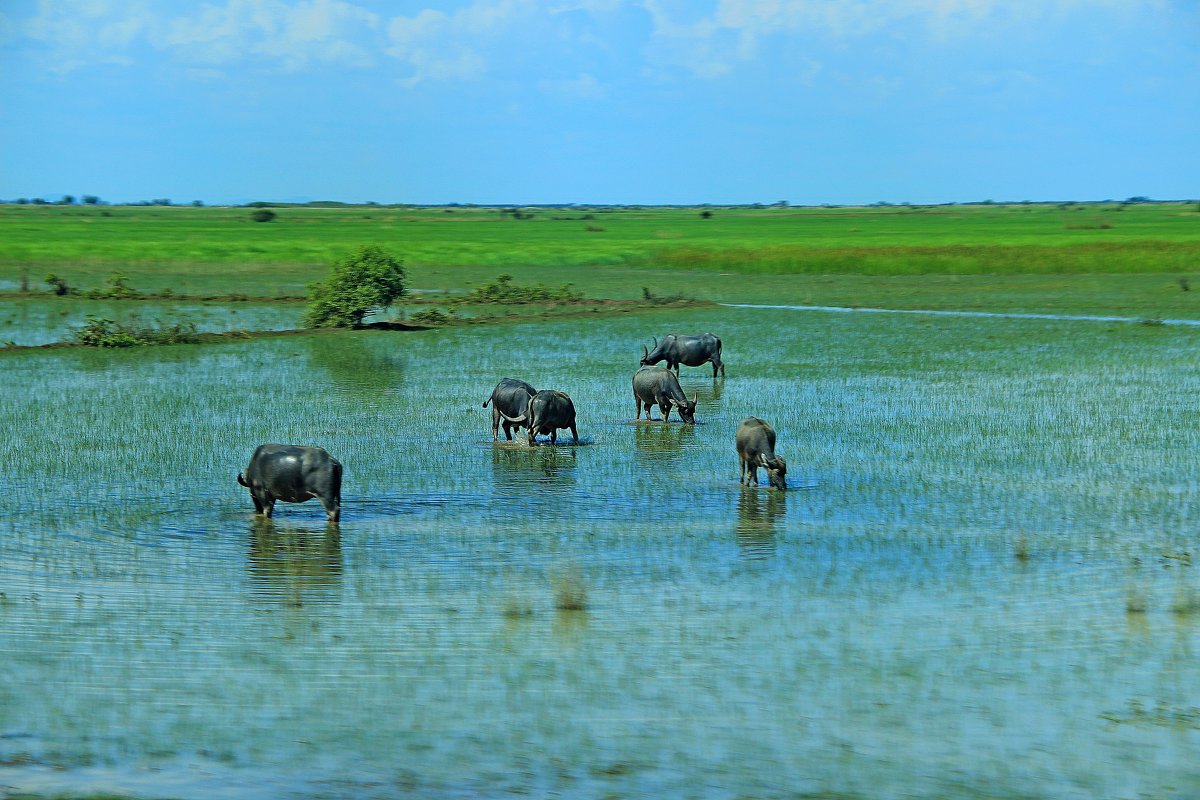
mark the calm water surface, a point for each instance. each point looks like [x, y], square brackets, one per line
[980, 584]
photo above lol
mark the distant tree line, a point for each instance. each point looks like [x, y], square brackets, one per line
[526, 211]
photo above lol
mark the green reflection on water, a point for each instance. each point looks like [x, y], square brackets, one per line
[44, 321]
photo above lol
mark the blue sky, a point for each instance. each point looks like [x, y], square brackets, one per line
[600, 101]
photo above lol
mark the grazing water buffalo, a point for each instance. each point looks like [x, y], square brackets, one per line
[657, 386]
[691, 350]
[510, 405]
[756, 448]
[548, 411]
[293, 474]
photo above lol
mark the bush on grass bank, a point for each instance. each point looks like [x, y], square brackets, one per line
[118, 288]
[101, 332]
[503, 291]
[366, 281]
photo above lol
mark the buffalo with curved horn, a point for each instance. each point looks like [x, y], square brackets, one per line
[657, 386]
[756, 448]
[510, 406]
[688, 349]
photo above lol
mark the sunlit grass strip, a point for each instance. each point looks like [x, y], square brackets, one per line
[1096, 257]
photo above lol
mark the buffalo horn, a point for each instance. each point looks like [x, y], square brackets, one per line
[645, 352]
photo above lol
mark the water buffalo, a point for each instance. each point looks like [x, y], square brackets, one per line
[293, 474]
[691, 350]
[756, 448]
[510, 406]
[548, 411]
[658, 386]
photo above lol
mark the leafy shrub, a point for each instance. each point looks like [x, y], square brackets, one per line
[432, 316]
[661, 299]
[504, 292]
[366, 281]
[100, 332]
[59, 285]
[118, 288]
[262, 215]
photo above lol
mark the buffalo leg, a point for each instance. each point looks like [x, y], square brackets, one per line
[666, 409]
[574, 434]
[553, 435]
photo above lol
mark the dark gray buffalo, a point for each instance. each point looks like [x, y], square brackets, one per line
[687, 349]
[510, 406]
[293, 474]
[756, 448]
[658, 386]
[548, 411]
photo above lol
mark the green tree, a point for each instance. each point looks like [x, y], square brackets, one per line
[366, 281]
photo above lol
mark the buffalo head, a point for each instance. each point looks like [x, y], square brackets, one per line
[687, 409]
[776, 471]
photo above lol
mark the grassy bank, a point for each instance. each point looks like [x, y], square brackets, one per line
[218, 250]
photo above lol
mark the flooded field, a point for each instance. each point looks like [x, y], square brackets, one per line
[980, 583]
[44, 321]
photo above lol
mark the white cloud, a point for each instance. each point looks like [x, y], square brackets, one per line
[734, 30]
[440, 46]
[291, 35]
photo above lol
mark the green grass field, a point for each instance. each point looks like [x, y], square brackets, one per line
[1003, 257]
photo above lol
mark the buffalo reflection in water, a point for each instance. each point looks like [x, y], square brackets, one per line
[518, 469]
[657, 445]
[710, 392]
[295, 565]
[759, 513]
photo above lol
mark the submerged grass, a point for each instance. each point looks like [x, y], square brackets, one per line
[732, 638]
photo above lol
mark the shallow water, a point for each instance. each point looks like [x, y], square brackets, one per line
[979, 585]
[44, 321]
